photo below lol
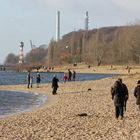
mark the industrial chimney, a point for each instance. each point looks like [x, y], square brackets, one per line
[58, 25]
[86, 20]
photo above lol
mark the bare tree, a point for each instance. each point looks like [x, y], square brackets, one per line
[11, 59]
[36, 55]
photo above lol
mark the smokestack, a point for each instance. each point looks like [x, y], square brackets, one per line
[58, 25]
[86, 21]
[21, 61]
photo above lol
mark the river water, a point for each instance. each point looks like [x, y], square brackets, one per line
[17, 101]
[15, 78]
[12, 102]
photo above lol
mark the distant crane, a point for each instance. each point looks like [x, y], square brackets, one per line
[32, 46]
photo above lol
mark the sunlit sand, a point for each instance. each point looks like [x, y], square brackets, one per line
[58, 118]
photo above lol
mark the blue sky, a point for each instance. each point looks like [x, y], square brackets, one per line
[25, 20]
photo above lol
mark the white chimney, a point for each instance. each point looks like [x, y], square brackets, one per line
[58, 25]
[86, 21]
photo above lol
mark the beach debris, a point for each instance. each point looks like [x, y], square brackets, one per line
[89, 89]
[82, 114]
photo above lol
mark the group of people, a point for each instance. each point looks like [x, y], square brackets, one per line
[30, 79]
[55, 80]
[119, 92]
[71, 76]
[38, 80]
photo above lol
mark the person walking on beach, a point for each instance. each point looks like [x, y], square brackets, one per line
[28, 79]
[70, 74]
[55, 84]
[137, 94]
[38, 79]
[74, 75]
[125, 92]
[118, 96]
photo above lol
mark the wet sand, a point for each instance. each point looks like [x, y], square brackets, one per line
[58, 118]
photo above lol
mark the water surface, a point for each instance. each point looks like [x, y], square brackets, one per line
[17, 101]
[15, 78]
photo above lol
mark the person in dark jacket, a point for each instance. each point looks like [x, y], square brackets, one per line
[28, 79]
[137, 94]
[54, 84]
[74, 75]
[69, 75]
[38, 79]
[125, 92]
[118, 96]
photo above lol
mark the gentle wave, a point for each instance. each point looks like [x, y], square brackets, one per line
[12, 102]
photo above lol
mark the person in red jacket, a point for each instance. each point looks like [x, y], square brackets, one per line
[65, 78]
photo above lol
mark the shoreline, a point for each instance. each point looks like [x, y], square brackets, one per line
[57, 118]
[114, 69]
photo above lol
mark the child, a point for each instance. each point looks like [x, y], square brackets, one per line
[65, 78]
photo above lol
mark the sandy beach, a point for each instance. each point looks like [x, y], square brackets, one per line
[58, 118]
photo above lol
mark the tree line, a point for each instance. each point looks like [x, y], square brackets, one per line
[108, 45]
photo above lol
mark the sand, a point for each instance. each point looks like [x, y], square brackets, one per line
[58, 118]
